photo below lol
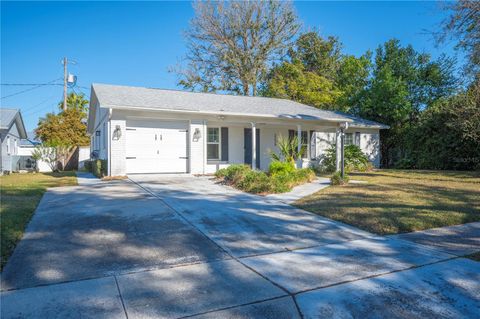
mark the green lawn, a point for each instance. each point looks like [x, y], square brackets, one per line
[19, 195]
[397, 201]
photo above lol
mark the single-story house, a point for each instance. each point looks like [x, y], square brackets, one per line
[12, 130]
[145, 130]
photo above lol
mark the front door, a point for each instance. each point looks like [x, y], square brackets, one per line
[247, 133]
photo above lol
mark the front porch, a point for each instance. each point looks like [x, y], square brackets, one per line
[251, 143]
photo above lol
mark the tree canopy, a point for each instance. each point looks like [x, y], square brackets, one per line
[67, 127]
[231, 44]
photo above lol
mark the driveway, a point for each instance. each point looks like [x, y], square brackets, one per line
[180, 246]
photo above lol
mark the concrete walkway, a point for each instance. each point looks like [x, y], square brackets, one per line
[301, 191]
[181, 246]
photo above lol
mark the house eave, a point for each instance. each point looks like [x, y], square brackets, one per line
[256, 115]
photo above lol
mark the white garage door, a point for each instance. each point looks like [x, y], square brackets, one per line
[156, 147]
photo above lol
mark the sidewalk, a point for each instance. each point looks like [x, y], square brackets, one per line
[459, 240]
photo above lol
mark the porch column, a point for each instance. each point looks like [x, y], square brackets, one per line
[338, 136]
[299, 146]
[254, 146]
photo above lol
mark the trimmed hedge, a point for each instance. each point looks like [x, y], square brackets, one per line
[99, 167]
[280, 179]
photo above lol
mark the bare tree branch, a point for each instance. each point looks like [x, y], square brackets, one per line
[232, 44]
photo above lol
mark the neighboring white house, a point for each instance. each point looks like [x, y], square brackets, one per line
[12, 130]
[143, 130]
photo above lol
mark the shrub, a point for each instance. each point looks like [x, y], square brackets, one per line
[355, 160]
[277, 167]
[248, 180]
[255, 182]
[336, 179]
[99, 168]
[233, 173]
[88, 166]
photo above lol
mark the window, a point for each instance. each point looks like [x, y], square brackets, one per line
[8, 145]
[357, 139]
[15, 151]
[305, 144]
[213, 143]
[348, 138]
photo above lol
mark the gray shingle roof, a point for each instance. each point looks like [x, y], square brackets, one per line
[6, 117]
[116, 96]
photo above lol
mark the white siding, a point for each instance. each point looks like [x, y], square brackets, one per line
[118, 148]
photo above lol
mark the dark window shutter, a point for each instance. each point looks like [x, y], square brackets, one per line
[357, 139]
[224, 143]
[312, 145]
[291, 134]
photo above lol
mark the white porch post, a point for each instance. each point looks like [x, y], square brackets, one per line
[338, 149]
[254, 146]
[299, 146]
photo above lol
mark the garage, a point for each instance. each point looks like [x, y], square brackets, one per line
[156, 146]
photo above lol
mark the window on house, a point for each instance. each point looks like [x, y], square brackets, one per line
[305, 144]
[357, 139]
[348, 138]
[8, 145]
[213, 143]
[15, 149]
[304, 140]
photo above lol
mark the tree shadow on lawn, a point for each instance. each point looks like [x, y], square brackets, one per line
[395, 208]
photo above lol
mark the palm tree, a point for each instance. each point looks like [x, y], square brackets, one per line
[289, 151]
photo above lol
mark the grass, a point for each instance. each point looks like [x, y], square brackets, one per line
[20, 195]
[398, 201]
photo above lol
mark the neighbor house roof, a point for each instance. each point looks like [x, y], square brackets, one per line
[8, 117]
[115, 96]
[30, 141]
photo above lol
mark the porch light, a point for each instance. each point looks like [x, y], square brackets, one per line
[197, 135]
[117, 133]
[221, 117]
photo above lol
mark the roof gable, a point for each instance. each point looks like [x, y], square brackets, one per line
[10, 116]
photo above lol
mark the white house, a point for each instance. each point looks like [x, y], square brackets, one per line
[12, 130]
[144, 130]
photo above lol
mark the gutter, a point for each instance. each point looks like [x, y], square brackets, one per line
[313, 118]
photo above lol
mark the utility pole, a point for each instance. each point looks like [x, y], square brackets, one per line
[65, 78]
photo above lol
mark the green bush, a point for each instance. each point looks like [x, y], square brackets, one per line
[99, 168]
[277, 167]
[336, 179]
[248, 180]
[355, 160]
[255, 182]
[88, 166]
[233, 173]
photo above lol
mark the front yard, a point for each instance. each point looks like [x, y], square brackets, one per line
[19, 195]
[398, 201]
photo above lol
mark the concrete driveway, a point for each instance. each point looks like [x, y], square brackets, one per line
[181, 246]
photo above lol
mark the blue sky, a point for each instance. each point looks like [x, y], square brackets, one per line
[135, 43]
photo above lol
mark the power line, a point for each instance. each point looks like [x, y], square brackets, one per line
[28, 84]
[29, 89]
